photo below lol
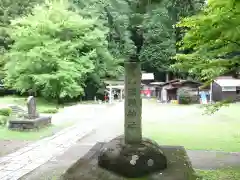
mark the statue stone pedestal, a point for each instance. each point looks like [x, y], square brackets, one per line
[178, 167]
[132, 160]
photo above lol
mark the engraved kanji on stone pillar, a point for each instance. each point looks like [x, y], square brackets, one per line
[133, 104]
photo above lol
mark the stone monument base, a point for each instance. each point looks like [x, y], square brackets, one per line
[132, 161]
[178, 167]
[29, 124]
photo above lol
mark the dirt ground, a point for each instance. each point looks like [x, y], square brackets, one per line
[10, 146]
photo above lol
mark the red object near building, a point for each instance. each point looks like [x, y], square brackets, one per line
[105, 97]
[148, 92]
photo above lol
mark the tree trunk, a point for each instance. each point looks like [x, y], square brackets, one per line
[59, 101]
[167, 76]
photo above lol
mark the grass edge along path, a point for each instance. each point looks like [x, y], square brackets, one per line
[220, 174]
[209, 136]
[6, 134]
[229, 173]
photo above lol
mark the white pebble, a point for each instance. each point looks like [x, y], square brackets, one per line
[150, 162]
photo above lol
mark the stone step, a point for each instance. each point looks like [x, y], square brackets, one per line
[17, 109]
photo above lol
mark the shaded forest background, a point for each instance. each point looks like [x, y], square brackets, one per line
[66, 49]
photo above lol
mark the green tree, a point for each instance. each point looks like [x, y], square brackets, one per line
[95, 82]
[211, 44]
[159, 18]
[160, 38]
[55, 50]
[161, 34]
[10, 9]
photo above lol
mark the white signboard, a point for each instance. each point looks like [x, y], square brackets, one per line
[229, 88]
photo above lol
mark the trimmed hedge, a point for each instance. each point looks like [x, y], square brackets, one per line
[3, 120]
[4, 115]
[5, 111]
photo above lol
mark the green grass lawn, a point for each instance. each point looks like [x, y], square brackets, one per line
[187, 126]
[221, 174]
[6, 134]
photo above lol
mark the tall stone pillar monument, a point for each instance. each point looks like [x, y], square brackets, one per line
[130, 155]
[133, 103]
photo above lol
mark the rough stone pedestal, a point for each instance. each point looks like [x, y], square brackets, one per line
[22, 120]
[86, 168]
[29, 124]
[132, 161]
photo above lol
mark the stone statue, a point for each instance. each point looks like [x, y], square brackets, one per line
[32, 108]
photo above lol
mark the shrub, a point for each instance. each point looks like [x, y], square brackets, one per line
[184, 97]
[3, 120]
[5, 111]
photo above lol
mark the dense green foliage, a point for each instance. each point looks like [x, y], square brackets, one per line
[3, 120]
[5, 111]
[51, 55]
[10, 9]
[212, 40]
[156, 20]
[161, 33]
[160, 38]
[4, 115]
[55, 50]
[184, 97]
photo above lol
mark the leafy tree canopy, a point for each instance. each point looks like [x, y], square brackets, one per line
[55, 50]
[156, 19]
[211, 44]
[10, 9]
[159, 36]
[116, 18]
